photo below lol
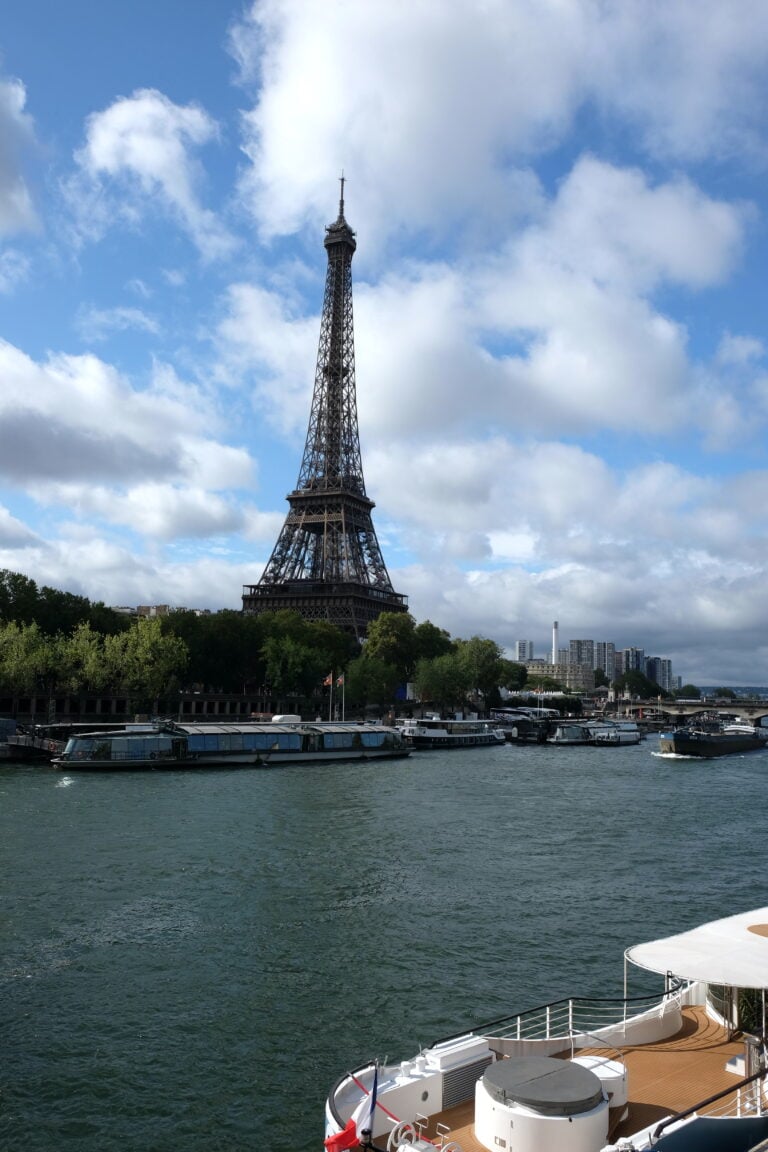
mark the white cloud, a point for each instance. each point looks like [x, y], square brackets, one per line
[97, 324]
[159, 511]
[612, 226]
[13, 533]
[687, 76]
[259, 338]
[17, 212]
[75, 434]
[139, 152]
[14, 270]
[104, 570]
[463, 99]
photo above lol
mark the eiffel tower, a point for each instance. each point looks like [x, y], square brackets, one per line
[327, 563]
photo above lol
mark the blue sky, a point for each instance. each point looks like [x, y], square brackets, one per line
[559, 296]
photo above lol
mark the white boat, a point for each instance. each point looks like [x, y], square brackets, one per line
[615, 732]
[432, 732]
[174, 745]
[681, 1071]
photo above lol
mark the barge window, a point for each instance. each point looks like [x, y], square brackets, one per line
[338, 739]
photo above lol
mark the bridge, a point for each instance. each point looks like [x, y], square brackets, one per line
[679, 712]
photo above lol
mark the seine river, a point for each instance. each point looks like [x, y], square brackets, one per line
[188, 960]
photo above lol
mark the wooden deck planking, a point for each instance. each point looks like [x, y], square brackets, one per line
[666, 1077]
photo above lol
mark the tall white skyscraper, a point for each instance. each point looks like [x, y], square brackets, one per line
[523, 651]
[554, 642]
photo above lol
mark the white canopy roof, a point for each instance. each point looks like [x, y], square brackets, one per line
[732, 951]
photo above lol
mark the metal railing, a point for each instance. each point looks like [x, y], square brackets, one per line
[568, 1017]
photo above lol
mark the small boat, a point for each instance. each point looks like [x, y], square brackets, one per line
[175, 745]
[682, 1069]
[713, 740]
[432, 732]
[570, 733]
[522, 725]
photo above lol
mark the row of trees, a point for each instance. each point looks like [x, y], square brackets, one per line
[57, 642]
[140, 662]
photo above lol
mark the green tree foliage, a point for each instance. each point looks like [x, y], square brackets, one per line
[638, 685]
[80, 662]
[145, 662]
[444, 681]
[688, 692]
[224, 649]
[481, 660]
[725, 693]
[18, 597]
[544, 684]
[392, 638]
[369, 680]
[334, 645]
[431, 641]
[292, 668]
[512, 676]
[27, 658]
[52, 610]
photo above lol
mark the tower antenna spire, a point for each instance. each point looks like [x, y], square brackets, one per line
[341, 201]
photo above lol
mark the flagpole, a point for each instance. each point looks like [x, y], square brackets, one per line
[330, 700]
[343, 697]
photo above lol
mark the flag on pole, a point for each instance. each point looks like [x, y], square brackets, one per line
[340, 680]
[365, 1122]
[328, 680]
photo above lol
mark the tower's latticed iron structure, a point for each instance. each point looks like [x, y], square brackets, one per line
[327, 563]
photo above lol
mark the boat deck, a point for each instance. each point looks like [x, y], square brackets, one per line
[666, 1077]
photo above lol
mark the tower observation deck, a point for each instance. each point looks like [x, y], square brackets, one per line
[327, 563]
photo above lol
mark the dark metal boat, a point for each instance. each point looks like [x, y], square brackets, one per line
[708, 740]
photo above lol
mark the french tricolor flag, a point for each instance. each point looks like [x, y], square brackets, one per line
[359, 1122]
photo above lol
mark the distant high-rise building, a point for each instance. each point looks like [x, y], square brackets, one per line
[633, 660]
[659, 671]
[523, 650]
[554, 643]
[582, 652]
[605, 658]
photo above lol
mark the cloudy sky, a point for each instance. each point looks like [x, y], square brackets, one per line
[559, 286]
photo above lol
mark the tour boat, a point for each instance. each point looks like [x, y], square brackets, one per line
[432, 732]
[709, 740]
[682, 1071]
[285, 741]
